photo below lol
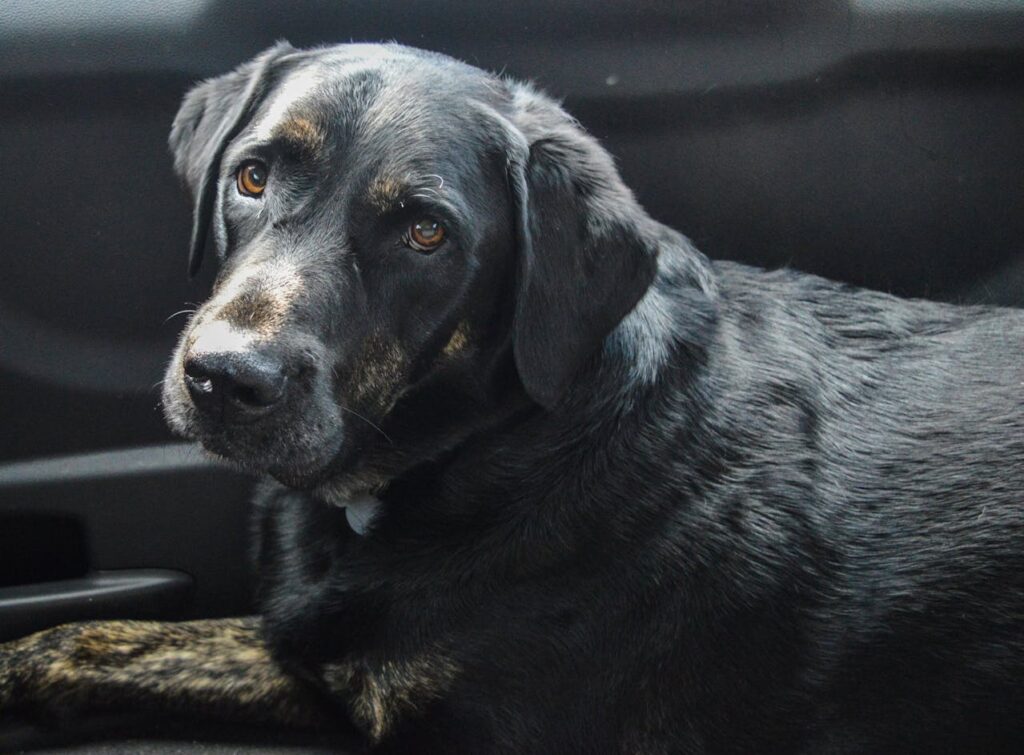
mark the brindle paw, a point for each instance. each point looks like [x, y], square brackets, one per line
[18, 666]
[38, 673]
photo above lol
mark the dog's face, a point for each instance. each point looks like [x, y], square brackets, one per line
[391, 226]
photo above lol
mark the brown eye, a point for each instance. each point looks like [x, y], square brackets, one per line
[252, 178]
[426, 235]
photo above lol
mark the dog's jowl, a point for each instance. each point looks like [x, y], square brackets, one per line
[604, 495]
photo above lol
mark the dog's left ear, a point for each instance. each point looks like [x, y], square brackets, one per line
[211, 115]
[587, 250]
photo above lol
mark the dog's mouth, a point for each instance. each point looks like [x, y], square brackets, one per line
[288, 459]
[299, 454]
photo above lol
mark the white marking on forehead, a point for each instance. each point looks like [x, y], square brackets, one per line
[303, 82]
[220, 336]
[294, 88]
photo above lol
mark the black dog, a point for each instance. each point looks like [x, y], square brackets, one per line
[603, 495]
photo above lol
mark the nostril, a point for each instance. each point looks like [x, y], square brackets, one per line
[197, 376]
[258, 389]
[243, 394]
[202, 385]
[198, 379]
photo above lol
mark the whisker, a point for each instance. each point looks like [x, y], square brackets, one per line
[179, 312]
[364, 419]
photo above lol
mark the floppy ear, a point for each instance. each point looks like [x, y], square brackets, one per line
[587, 250]
[211, 115]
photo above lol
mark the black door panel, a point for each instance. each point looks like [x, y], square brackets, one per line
[129, 593]
[144, 533]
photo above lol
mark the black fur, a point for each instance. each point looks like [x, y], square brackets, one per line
[649, 503]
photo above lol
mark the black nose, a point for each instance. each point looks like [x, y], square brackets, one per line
[235, 386]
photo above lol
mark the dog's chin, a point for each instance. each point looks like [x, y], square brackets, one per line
[301, 478]
[304, 474]
[303, 455]
[301, 468]
[301, 461]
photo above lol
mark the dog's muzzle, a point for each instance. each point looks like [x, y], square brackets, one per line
[234, 377]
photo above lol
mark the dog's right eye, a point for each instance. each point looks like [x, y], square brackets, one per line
[252, 178]
[425, 235]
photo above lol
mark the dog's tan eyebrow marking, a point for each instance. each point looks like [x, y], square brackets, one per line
[300, 135]
[387, 191]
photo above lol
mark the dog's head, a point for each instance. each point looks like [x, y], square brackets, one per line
[404, 241]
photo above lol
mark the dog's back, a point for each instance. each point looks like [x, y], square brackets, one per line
[861, 465]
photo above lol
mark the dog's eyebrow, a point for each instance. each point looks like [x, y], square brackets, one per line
[299, 136]
[392, 191]
[387, 191]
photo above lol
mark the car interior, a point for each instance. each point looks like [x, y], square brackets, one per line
[875, 142]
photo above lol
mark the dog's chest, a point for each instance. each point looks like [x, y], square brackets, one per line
[326, 603]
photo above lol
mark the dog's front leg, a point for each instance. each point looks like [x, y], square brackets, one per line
[217, 669]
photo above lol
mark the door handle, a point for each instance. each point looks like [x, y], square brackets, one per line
[120, 594]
